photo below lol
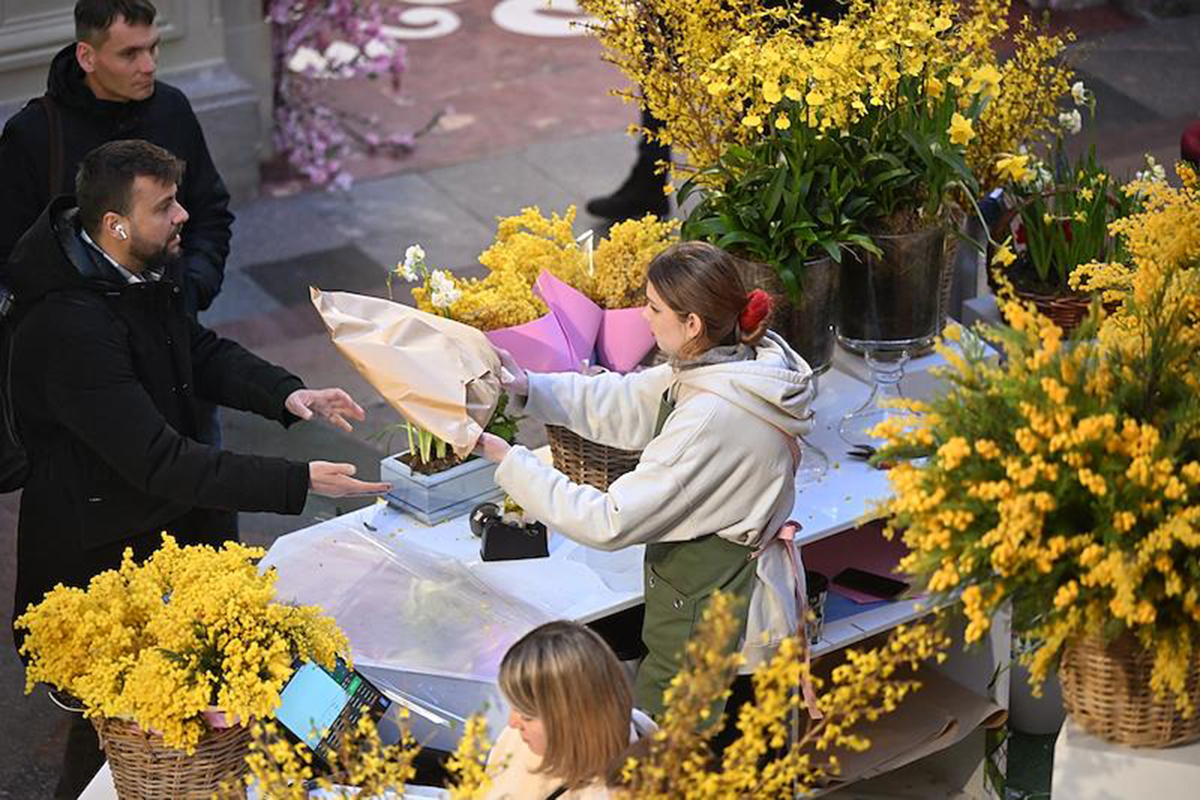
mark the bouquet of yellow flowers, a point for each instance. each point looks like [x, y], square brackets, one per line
[160, 643]
[1067, 480]
[613, 275]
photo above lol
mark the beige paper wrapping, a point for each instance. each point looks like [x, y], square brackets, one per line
[439, 374]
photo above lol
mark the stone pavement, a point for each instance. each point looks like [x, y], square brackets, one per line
[1146, 76]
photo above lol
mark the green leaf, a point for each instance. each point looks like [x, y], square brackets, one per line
[774, 192]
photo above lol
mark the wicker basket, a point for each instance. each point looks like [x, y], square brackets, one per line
[1106, 690]
[588, 462]
[1066, 311]
[143, 768]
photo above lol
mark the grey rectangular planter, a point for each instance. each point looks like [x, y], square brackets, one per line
[436, 498]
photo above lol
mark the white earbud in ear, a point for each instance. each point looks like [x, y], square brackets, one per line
[121, 232]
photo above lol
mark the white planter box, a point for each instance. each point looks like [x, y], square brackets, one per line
[436, 498]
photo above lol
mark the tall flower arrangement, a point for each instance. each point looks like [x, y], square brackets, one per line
[1067, 480]
[316, 43]
[163, 641]
[718, 73]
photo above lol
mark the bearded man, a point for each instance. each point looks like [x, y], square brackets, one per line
[108, 371]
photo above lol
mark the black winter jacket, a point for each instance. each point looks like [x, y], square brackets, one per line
[165, 118]
[105, 377]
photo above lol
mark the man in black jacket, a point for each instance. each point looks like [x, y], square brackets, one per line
[107, 368]
[102, 88]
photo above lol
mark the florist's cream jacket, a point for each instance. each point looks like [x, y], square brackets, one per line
[721, 465]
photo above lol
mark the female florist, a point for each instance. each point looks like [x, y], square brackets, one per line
[726, 506]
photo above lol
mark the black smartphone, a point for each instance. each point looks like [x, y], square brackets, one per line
[869, 583]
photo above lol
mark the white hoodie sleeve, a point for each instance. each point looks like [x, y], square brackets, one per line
[611, 409]
[648, 504]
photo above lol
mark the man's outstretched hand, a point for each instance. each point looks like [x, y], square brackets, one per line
[333, 405]
[337, 480]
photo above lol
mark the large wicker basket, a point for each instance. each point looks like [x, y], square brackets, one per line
[584, 461]
[1106, 690]
[143, 768]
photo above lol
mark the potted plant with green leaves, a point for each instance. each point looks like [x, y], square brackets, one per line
[1059, 221]
[790, 207]
[429, 479]
[431, 483]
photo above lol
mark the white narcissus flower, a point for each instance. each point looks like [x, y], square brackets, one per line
[443, 292]
[1078, 93]
[1071, 121]
[305, 59]
[414, 258]
[1154, 171]
[339, 54]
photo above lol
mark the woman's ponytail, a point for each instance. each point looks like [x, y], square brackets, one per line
[752, 322]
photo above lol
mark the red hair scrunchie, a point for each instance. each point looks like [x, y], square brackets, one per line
[758, 305]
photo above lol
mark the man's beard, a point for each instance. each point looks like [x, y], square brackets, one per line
[155, 257]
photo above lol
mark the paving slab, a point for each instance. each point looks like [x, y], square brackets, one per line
[501, 186]
[240, 297]
[1156, 63]
[272, 228]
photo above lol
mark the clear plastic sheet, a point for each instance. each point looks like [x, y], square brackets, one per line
[419, 623]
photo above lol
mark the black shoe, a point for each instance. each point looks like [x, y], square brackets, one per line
[639, 195]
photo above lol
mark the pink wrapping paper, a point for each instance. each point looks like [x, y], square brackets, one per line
[624, 339]
[574, 332]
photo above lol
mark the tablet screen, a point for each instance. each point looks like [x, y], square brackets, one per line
[318, 705]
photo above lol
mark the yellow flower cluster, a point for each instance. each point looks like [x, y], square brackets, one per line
[1033, 81]
[1067, 481]
[719, 73]
[614, 275]
[666, 47]
[160, 642]
[364, 765]
[761, 763]
[840, 70]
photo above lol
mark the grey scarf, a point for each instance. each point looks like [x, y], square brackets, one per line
[721, 354]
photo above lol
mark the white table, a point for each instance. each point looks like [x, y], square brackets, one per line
[1086, 768]
[428, 620]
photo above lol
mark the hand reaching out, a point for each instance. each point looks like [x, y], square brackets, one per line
[333, 405]
[336, 480]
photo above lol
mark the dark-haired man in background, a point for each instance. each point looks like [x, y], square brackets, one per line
[107, 369]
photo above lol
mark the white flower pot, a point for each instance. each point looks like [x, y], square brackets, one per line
[441, 496]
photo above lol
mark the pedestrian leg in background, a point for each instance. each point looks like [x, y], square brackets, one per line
[642, 191]
[81, 761]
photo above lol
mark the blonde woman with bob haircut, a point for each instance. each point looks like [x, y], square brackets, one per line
[714, 487]
[572, 716]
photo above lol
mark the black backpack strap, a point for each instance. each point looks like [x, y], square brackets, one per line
[55, 141]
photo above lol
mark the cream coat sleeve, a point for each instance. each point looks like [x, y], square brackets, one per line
[611, 409]
[648, 504]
